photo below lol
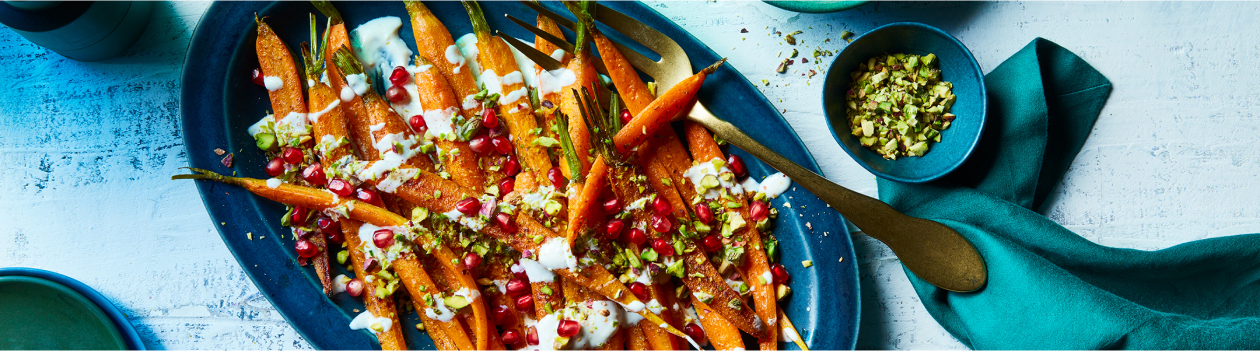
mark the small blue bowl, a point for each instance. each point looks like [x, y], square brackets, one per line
[957, 66]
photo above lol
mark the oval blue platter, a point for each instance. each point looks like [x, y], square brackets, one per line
[218, 101]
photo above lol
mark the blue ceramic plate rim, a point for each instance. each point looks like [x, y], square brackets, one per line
[129, 335]
[205, 122]
[816, 6]
[984, 104]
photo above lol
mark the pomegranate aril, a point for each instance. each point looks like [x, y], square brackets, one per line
[396, 94]
[505, 221]
[661, 207]
[511, 167]
[501, 315]
[779, 273]
[662, 247]
[314, 174]
[355, 287]
[489, 118]
[399, 76]
[704, 213]
[556, 177]
[758, 210]
[291, 155]
[635, 236]
[519, 272]
[531, 336]
[525, 302]
[299, 216]
[335, 236]
[510, 337]
[472, 260]
[614, 227]
[660, 223]
[736, 164]
[612, 206]
[626, 116]
[369, 196]
[506, 186]
[640, 290]
[568, 327]
[305, 248]
[468, 206]
[694, 332]
[257, 76]
[502, 144]
[712, 243]
[383, 238]
[340, 187]
[418, 124]
[276, 167]
[517, 287]
[327, 225]
[481, 144]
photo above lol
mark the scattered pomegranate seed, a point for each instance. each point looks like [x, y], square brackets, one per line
[396, 94]
[328, 225]
[227, 160]
[758, 210]
[516, 287]
[506, 186]
[292, 155]
[355, 287]
[614, 228]
[511, 167]
[305, 248]
[568, 327]
[505, 221]
[556, 177]
[736, 165]
[299, 216]
[659, 223]
[489, 118]
[314, 174]
[531, 336]
[712, 243]
[636, 236]
[694, 332]
[612, 206]
[780, 273]
[257, 76]
[661, 207]
[399, 76]
[519, 272]
[662, 247]
[525, 302]
[481, 144]
[640, 290]
[340, 187]
[335, 236]
[276, 167]
[704, 213]
[501, 315]
[510, 337]
[418, 124]
[369, 196]
[502, 144]
[383, 238]
[468, 206]
[472, 260]
[626, 116]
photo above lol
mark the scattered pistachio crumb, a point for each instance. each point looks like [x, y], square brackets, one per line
[807, 263]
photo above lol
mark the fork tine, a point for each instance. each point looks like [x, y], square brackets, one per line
[542, 59]
[637, 31]
[558, 42]
[560, 20]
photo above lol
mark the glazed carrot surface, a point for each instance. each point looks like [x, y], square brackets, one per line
[278, 68]
[668, 107]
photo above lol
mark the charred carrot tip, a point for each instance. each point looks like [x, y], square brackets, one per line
[714, 66]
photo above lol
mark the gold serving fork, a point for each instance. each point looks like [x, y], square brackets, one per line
[929, 249]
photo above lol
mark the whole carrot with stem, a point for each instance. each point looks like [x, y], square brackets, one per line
[571, 103]
[281, 79]
[378, 306]
[390, 134]
[434, 43]
[441, 104]
[666, 108]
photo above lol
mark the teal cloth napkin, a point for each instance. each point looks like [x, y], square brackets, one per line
[1049, 288]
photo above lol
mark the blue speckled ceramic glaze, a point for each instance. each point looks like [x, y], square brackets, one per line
[125, 330]
[957, 65]
[219, 101]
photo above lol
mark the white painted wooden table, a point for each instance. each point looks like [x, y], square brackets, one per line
[87, 149]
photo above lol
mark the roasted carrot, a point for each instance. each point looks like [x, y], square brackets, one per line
[623, 76]
[434, 43]
[513, 104]
[635, 340]
[668, 107]
[390, 339]
[720, 332]
[446, 335]
[280, 72]
[390, 134]
[579, 208]
[571, 102]
[548, 296]
[790, 330]
[439, 99]
[547, 25]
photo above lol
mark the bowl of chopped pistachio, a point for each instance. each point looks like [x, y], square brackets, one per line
[906, 101]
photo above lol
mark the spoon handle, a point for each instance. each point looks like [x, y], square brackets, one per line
[931, 250]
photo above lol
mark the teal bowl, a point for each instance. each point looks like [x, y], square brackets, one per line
[810, 6]
[957, 66]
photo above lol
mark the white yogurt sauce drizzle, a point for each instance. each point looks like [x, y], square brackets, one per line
[273, 83]
[366, 320]
[381, 49]
[466, 49]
